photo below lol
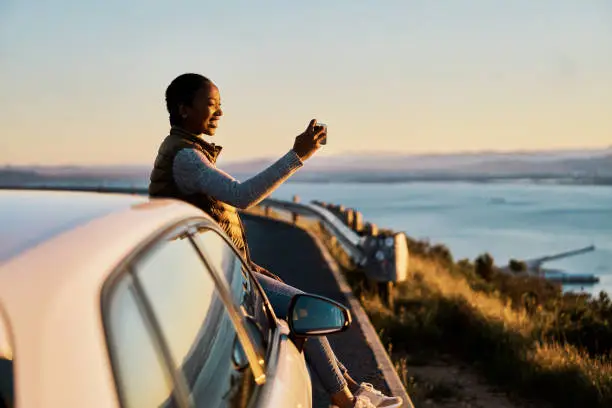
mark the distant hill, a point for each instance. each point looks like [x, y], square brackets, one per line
[581, 166]
[73, 174]
[435, 162]
[593, 166]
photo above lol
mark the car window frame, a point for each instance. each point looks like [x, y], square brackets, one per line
[152, 328]
[256, 361]
[186, 227]
[279, 327]
[272, 318]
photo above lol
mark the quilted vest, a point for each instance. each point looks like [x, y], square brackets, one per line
[162, 184]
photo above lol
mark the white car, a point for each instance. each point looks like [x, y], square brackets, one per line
[111, 300]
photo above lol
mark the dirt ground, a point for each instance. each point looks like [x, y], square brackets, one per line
[444, 383]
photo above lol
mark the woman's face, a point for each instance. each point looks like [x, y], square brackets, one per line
[204, 113]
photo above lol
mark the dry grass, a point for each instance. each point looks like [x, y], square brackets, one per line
[439, 280]
[438, 311]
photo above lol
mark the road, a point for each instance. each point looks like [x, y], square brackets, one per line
[291, 253]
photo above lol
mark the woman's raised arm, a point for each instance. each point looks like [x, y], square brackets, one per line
[195, 174]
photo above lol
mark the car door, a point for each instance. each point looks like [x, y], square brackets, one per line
[222, 259]
[287, 380]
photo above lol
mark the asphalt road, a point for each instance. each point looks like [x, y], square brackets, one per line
[291, 253]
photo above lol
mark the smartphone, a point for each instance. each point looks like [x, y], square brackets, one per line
[323, 125]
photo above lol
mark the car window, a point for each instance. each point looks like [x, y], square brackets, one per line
[195, 324]
[221, 256]
[142, 377]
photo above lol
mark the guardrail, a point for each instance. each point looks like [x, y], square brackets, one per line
[383, 259]
[349, 240]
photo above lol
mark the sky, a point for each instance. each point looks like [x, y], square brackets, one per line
[83, 82]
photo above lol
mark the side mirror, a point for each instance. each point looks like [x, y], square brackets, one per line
[312, 315]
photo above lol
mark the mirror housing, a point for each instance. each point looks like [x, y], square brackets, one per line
[313, 315]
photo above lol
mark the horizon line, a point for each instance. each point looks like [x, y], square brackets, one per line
[357, 153]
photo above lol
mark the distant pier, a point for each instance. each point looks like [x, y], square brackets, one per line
[534, 268]
[564, 277]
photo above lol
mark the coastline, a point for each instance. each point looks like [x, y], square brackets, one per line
[10, 176]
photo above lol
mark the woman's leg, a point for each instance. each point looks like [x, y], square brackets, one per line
[344, 391]
[318, 351]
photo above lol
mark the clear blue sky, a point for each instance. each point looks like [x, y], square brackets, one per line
[83, 82]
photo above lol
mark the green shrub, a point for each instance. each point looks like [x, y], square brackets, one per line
[485, 267]
[517, 266]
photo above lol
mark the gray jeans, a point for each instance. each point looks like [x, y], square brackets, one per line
[317, 350]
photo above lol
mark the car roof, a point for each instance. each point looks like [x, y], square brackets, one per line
[50, 287]
[28, 218]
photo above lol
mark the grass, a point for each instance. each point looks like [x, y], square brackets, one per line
[444, 307]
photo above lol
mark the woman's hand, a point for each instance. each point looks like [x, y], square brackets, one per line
[309, 142]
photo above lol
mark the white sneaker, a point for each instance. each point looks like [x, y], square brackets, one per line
[377, 398]
[363, 402]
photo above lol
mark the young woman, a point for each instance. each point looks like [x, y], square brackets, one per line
[185, 169]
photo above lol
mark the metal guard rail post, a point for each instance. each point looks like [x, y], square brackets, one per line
[383, 259]
[349, 240]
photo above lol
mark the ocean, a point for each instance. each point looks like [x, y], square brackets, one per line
[521, 220]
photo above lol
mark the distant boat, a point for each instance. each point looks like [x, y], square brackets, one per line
[497, 200]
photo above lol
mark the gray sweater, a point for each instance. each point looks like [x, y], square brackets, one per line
[194, 173]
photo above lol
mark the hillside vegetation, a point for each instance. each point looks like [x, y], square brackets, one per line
[522, 333]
